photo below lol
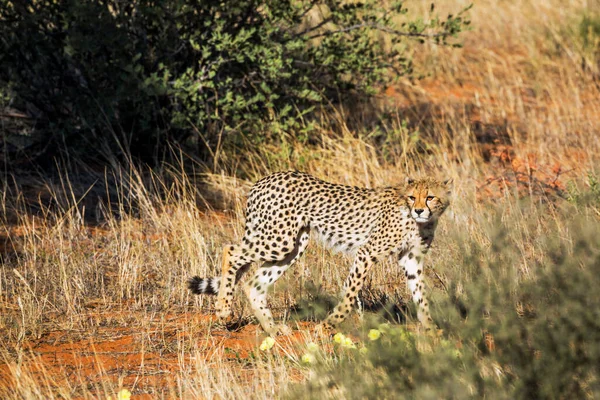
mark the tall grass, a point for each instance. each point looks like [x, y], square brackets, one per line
[93, 298]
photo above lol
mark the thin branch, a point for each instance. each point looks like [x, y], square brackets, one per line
[383, 29]
[308, 30]
[441, 280]
[312, 5]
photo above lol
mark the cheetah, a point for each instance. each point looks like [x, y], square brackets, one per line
[370, 224]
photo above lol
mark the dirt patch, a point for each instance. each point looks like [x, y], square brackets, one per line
[145, 359]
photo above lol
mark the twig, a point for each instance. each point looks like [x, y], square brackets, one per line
[14, 115]
[383, 29]
[440, 279]
[320, 24]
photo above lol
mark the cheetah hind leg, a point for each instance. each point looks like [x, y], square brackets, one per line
[233, 266]
[256, 288]
[256, 291]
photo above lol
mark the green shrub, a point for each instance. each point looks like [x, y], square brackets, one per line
[588, 198]
[589, 31]
[112, 77]
[518, 333]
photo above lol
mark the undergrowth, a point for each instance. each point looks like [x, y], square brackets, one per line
[506, 333]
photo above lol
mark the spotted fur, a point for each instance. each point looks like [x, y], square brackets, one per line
[370, 224]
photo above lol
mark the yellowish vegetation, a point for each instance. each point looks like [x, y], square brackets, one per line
[87, 310]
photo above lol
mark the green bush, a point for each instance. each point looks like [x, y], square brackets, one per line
[544, 326]
[110, 77]
[587, 199]
[589, 31]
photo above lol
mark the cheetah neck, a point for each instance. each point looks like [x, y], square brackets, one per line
[427, 232]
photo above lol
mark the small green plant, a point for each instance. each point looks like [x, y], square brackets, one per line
[590, 196]
[589, 31]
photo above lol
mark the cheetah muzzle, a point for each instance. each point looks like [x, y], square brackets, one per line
[371, 224]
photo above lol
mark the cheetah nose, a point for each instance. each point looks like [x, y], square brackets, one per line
[419, 211]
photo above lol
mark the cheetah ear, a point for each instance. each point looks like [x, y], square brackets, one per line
[409, 181]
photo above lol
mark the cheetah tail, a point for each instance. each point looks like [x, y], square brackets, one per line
[204, 285]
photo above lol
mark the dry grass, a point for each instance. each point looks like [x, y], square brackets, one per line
[86, 309]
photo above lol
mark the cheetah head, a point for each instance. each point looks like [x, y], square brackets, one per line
[427, 198]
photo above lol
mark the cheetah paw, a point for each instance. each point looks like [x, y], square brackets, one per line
[279, 330]
[223, 313]
[434, 332]
[324, 329]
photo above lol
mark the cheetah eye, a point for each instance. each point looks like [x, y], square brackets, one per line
[429, 198]
[411, 198]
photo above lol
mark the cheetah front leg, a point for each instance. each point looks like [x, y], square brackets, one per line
[354, 282]
[412, 263]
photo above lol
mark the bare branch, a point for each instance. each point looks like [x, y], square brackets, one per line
[313, 28]
[383, 29]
